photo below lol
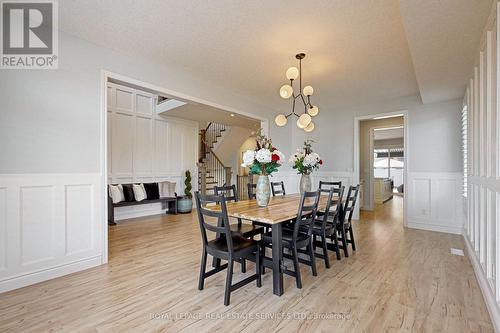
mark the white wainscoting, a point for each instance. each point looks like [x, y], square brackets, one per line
[434, 201]
[146, 147]
[292, 180]
[50, 225]
[482, 205]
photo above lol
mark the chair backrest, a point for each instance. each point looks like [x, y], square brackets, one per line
[221, 228]
[333, 205]
[350, 202]
[228, 191]
[251, 191]
[278, 188]
[327, 185]
[306, 213]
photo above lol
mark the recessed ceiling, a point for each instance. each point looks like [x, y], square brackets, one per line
[393, 133]
[203, 114]
[357, 50]
[444, 37]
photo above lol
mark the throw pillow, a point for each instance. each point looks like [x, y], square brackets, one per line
[116, 193]
[152, 191]
[171, 190]
[139, 192]
[128, 193]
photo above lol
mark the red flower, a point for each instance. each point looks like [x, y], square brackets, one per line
[320, 162]
[273, 149]
[275, 158]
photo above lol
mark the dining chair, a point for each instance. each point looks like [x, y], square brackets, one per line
[325, 226]
[344, 224]
[230, 194]
[299, 237]
[226, 246]
[326, 185]
[251, 191]
[278, 188]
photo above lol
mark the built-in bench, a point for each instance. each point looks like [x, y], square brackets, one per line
[171, 202]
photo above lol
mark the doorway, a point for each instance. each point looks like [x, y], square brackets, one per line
[380, 160]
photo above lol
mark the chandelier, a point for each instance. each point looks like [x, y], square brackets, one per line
[304, 120]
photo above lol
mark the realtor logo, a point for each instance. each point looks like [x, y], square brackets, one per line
[29, 35]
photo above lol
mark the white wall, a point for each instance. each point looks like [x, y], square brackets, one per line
[145, 147]
[51, 199]
[482, 206]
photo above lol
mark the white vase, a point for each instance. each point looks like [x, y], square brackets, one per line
[305, 183]
[262, 192]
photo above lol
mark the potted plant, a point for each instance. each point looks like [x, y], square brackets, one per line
[263, 161]
[305, 161]
[185, 203]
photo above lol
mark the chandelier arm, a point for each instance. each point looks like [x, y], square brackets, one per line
[303, 100]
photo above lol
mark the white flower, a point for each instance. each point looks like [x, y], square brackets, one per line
[315, 156]
[248, 158]
[310, 160]
[263, 155]
[281, 156]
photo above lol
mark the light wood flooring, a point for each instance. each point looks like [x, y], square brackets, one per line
[399, 280]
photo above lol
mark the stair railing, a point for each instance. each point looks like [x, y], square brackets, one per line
[211, 169]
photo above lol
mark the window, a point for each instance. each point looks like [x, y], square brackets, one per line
[389, 163]
[464, 150]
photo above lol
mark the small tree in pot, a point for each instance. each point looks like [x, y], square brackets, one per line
[185, 204]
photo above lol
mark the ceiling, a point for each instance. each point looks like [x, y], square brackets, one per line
[204, 113]
[358, 51]
[387, 134]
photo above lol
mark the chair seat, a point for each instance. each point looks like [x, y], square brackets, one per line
[239, 243]
[247, 230]
[286, 236]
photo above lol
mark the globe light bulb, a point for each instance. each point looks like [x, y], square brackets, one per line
[308, 90]
[280, 120]
[303, 120]
[292, 73]
[313, 111]
[286, 91]
[310, 127]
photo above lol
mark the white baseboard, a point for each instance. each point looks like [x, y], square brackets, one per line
[47, 274]
[488, 295]
[434, 227]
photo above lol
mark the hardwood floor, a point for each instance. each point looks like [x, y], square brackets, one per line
[399, 280]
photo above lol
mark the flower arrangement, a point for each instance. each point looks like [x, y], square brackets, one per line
[265, 159]
[305, 160]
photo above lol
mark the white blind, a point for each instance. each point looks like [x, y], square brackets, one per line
[464, 150]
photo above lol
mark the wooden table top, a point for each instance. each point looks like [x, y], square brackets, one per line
[280, 209]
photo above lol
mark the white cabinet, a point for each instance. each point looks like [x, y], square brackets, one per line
[382, 190]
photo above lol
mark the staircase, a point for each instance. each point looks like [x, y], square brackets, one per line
[211, 171]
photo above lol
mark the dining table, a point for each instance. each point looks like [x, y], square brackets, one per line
[280, 209]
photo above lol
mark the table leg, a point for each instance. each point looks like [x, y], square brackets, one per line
[277, 260]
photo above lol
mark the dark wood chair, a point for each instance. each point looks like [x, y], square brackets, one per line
[226, 246]
[278, 188]
[299, 237]
[230, 194]
[344, 225]
[327, 185]
[325, 226]
[246, 230]
[251, 191]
